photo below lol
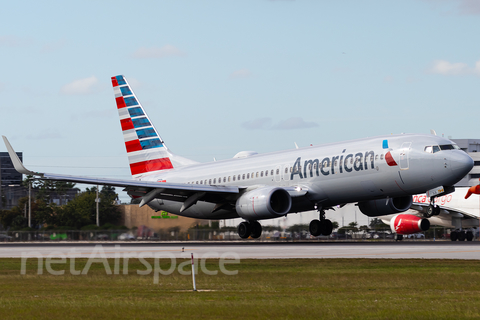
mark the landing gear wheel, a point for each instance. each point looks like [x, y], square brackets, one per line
[436, 211]
[244, 230]
[454, 236]
[399, 237]
[256, 229]
[469, 235]
[461, 236]
[315, 228]
[430, 211]
[327, 227]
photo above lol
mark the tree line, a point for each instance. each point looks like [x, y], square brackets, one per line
[73, 214]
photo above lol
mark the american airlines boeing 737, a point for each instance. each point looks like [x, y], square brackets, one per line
[380, 174]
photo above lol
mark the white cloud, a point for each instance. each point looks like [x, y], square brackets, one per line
[82, 86]
[388, 79]
[469, 7]
[260, 123]
[242, 73]
[11, 41]
[289, 124]
[448, 68]
[47, 134]
[294, 123]
[53, 46]
[156, 53]
[459, 7]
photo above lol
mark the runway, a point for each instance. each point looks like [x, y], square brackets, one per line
[252, 250]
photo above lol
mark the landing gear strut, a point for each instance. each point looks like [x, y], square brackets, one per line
[249, 228]
[321, 227]
[433, 209]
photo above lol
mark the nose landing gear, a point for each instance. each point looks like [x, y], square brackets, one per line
[433, 209]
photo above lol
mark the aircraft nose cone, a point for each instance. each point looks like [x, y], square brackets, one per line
[461, 163]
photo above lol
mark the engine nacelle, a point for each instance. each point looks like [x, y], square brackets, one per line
[381, 207]
[408, 224]
[264, 203]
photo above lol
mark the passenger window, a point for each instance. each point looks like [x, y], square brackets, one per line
[210, 181]
[201, 182]
[234, 178]
[376, 157]
[278, 171]
[381, 156]
[286, 169]
[261, 173]
[228, 178]
[257, 175]
[239, 177]
[271, 172]
[266, 173]
[248, 176]
[291, 169]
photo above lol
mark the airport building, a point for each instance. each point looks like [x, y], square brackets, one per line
[12, 189]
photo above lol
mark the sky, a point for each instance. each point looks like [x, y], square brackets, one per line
[219, 77]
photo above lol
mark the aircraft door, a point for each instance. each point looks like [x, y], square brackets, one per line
[286, 172]
[404, 153]
[278, 174]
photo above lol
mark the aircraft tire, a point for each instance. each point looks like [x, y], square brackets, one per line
[430, 211]
[315, 228]
[244, 230]
[399, 237]
[256, 229]
[454, 236]
[469, 236]
[327, 227]
[436, 211]
[461, 236]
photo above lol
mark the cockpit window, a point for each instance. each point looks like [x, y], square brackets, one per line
[449, 147]
[434, 149]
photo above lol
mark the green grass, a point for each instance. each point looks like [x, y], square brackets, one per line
[262, 289]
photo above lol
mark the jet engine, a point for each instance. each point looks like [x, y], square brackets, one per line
[264, 203]
[381, 207]
[408, 224]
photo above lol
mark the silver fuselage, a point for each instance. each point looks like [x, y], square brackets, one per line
[333, 174]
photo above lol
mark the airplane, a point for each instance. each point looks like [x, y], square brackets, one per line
[456, 211]
[380, 174]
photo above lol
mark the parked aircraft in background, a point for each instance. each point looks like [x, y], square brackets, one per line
[456, 211]
[380, 174]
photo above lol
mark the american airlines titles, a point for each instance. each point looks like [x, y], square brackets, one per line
[348, 163]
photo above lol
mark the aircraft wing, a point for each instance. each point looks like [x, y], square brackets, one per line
[138, 188]
[444, 211]
[149, 190]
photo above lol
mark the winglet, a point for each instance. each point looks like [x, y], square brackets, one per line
[16, 161]
[471, 190]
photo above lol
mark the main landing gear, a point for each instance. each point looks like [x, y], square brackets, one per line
[249, 229]
[461, 235]
[321, 227]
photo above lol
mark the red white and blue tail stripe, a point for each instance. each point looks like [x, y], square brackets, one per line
[146, 150]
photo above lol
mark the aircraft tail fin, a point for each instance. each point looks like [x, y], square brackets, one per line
[146, 150]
